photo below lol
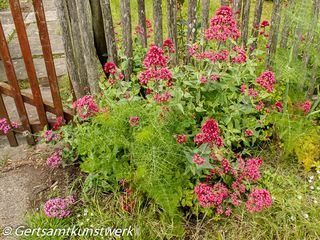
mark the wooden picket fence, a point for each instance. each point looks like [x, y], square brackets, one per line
[13, 90]
[241, 9]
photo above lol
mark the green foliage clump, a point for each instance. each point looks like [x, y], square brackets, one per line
[147, 155]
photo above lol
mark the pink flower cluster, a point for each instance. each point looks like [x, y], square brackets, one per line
[209, 196]
[134, 121]
[168, 44]
[305, 106]
[86, 107]
[248, 133]
[197, 159]
[251, 169]
[58, 123]
[5, 127]
[258, 200]
[212, 56]
[155, 74]
[59, 207]
[222, 26]
[155, 58]
[251, 92]
[241, 55]
[114, 73]
[210, 133]
[55, 159]
[266, 80]
[164, 97]
[182, 139]
[51, 136]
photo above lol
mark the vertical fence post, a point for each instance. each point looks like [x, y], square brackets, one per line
[286, 24]
[4, 114]
[205, 14]
[256, 22]
[192, 19]
[311, 31]
[127, 34]
[298, 32]
[157, 18]
[274, 31]
[87, 40]
[109, 31]
[172, 26]
[245, 23]
[314, 74]
[142, 22]
[12, 78]
[65, 24]
[28, 61]
[236, 8]
[47, 55]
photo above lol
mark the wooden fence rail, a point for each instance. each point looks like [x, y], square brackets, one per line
[12, 88]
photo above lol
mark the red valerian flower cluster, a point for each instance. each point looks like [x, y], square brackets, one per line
[220, 56]
[241, 55]
[114, 73]
[305, 106]
[197, 159]
[59, 207]
[210, 133]
[134, 121]
[258, 200]
[155, 63]
[58, 123]
[5, 127]
[266, 80]
[168, 44]
[222, 26]
[86, 107]
[182, 139]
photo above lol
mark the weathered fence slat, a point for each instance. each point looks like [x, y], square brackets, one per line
[245, 23]
[67, 42]
[157, 18]
[311, 32]
[286, 24]
[205, 14]
[28, 61]
[127, 35]
[236, 8]
[12, 78]
[142, 22]
[274, 32]
[76, 43]
[87, 39]
[4, 114]
[298, 32]
[256, 22]
[109, 31]
[192, 20]
[172, 26]
[47, 55]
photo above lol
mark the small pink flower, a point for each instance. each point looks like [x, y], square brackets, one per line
[181, 139]
[59, 207]
[265, 23]
[203, 80]
[243, 88]
[279, 106]
[266, 80]
[258, 200]
[86, 107]
[248, 133]
[260, 106]
[134, 121]
[228, 212]
[110, 67]
[305, 106]
[55, 159]
[198, 159]
[214, 77]
[59, 122]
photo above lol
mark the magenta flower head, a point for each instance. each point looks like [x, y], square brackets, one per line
[110, 67]
[4, 126]
[55, 159]
[197, 159]
[258, 200]
[155, 58]
[181, 138]
[59, 207]
[86, 107]
[134, 121]
[266, 80]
